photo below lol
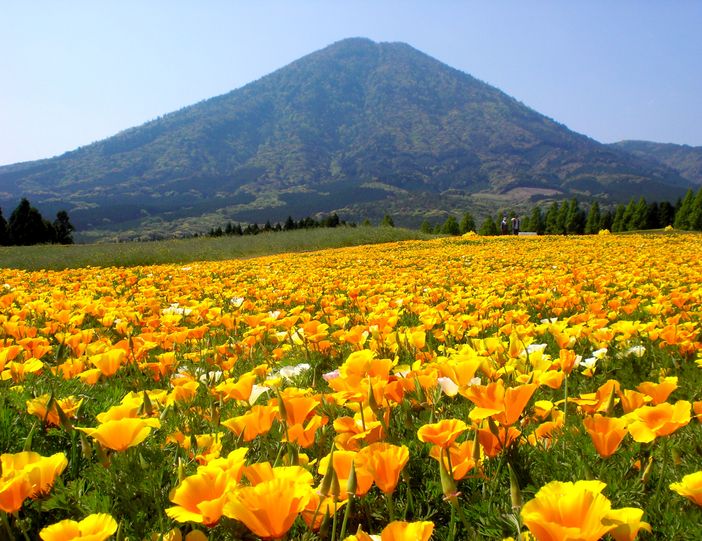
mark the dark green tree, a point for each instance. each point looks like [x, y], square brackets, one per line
[536, 221]
[4, 239]
[489, 227]
[425, 227]
[639, 217]
[63, 228]
[606, 220]
[592, 222]
[26, 226]
[618, 219]
[684, 211]
[666, 214]
[551, 220]
[652, 216]
[695, 220]
[451, 226]
[628, 215]
[387, 221]
[467, 223]
[575, 218]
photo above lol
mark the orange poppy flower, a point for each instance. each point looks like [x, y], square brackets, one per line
[649, 422]
[494, 444]
[443, 433]
[269, 508]
[15, 487]
[41, 471]
[97, 527]
[659, 392]
[493, 400]
[343, 460]
[201, 497]
[632, 400]
[626, 523]
[384, 462]
[568, 511]
[318, 507]
[690, 487]
[462, 460]
[38, 408]
[121, 434]
[606, 433]
[258, 420]
[398, 531]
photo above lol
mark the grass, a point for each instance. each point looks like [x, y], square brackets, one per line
[130, 254]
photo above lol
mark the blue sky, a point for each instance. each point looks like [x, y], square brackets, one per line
[74, 72]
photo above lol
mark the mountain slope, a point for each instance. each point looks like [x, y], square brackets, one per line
[685, 159]
[358, 126]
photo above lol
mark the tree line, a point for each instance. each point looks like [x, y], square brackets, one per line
[290, 224]
[569, 218]
[26, 226]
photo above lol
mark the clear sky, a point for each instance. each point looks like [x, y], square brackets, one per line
[74, 72]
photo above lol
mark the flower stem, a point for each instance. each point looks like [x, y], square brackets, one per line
[347, 512]
[7, 525]
[391, 507]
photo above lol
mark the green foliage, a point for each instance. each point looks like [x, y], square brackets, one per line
[488, 227]
[467, 223]
[451, 226]
[592, 222]
[27, 227]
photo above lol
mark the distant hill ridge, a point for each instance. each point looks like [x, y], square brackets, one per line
[685, 159]
[359, 128]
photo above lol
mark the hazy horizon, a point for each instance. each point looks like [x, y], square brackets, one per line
[80, 72]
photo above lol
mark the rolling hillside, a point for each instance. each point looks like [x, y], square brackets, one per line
[360, 128]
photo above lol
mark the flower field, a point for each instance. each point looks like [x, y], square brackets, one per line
[542, 388]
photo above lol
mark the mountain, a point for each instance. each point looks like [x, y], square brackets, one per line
[684, 159]
[360, 128]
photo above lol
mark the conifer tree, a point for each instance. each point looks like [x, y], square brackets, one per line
[666, 214]
[627, 218]
[387, 221]
[552, 219]
[536, 221]
[488, 227]
[575, 218]
[562, 218]
[695, 220]
[606, 220]
[684, 211]
[4, 240]
[467, 223]
[618, 219]
[451, 226]
[592, 222]
[639, 217]
[26, 226]
[63, 228]
[425, 227]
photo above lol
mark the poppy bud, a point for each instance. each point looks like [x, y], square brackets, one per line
[448, 485]
[514, 492]
[328, 476]
[146, 404]
[647, 471]
[63, 418]
[352, 481]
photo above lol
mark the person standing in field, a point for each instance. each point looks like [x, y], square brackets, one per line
[515, 225]
[503, 225]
